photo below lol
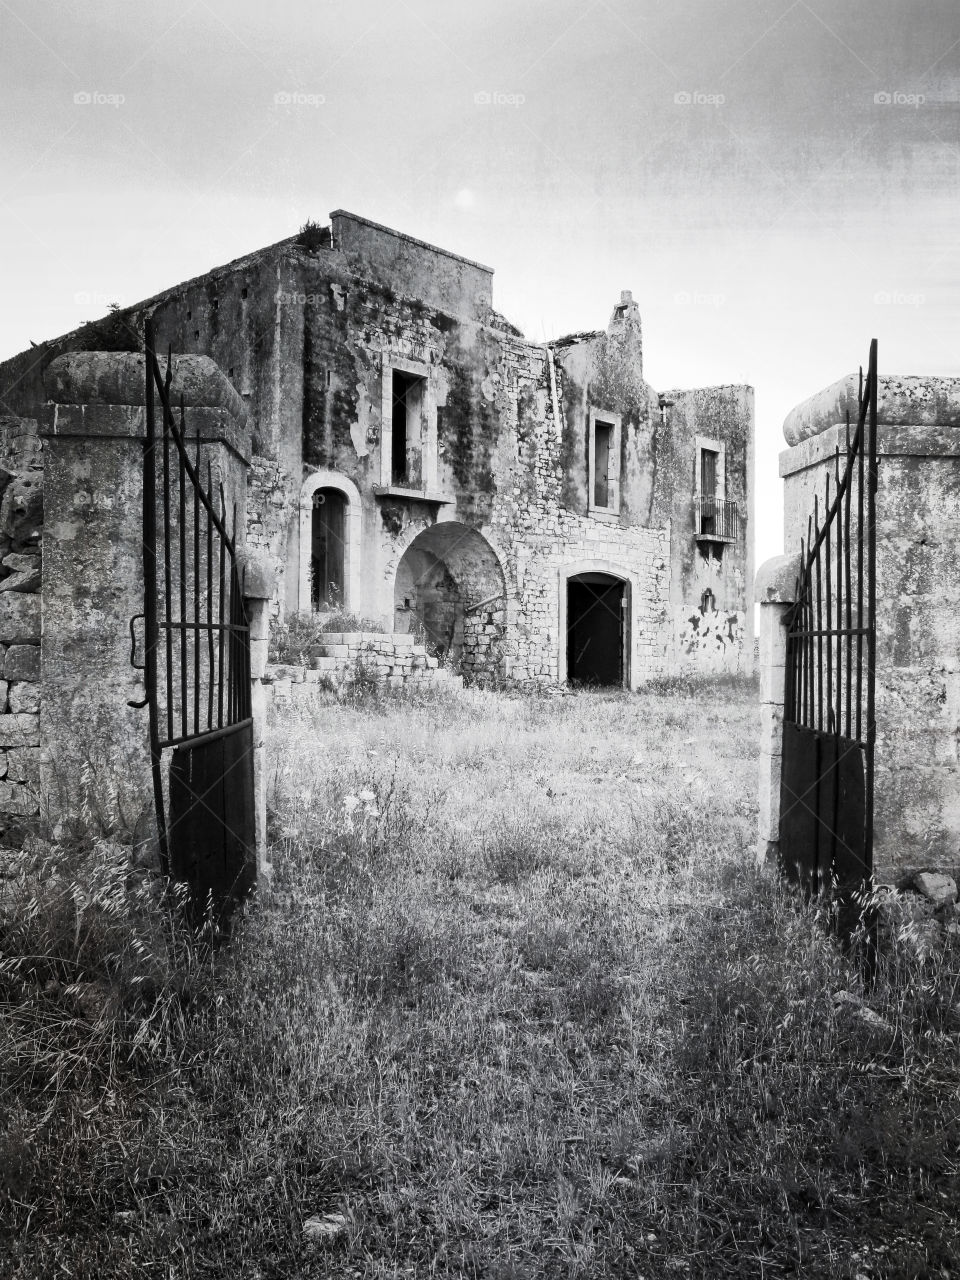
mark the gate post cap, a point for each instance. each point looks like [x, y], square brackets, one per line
[259, 574]
[118, 377]
[776, 580]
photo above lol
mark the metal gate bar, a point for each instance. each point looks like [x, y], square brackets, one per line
[827, 795]
[189, 708]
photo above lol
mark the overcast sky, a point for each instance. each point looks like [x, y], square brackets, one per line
[777, 181]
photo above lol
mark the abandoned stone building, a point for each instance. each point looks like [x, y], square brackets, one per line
[536, 511]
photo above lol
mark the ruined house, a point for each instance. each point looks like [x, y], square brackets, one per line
[535, 511]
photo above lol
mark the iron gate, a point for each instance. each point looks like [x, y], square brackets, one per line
[826, 796]
[197, 659]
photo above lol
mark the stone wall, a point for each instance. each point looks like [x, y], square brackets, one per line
[21, 523]
[395, 661]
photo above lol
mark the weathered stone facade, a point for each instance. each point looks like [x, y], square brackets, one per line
[498, 494]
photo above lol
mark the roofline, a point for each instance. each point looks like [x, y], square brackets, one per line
[402, 235]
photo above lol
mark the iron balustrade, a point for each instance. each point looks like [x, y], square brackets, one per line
[717, 518]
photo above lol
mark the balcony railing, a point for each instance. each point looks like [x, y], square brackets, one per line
[716, 519]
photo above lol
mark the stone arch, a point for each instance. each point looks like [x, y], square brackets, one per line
[600, 592]
[450, 585]
[314, 482]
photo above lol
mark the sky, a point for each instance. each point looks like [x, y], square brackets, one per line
[776, 181]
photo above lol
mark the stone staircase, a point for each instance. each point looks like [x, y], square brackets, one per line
[393, 659]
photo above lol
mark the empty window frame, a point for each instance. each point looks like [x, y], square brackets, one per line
[604, 463]
[711, 509]
[406, 427]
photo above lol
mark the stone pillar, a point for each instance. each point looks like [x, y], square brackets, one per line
[775, 592]
[259, 583]
[95, 751]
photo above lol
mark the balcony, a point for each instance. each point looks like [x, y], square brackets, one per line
[716, 520]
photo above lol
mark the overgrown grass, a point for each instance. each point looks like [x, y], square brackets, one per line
[519, 1007]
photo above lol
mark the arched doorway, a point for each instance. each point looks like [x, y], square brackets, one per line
[328, 531]
[450, 589]
[329, 542]
[597, 607]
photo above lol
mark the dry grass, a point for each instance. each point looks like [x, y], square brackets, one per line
[519, 1008]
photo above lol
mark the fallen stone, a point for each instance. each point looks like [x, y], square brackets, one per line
[322, 1228]
[851, 1005]
[935, 886]
[96, 1001]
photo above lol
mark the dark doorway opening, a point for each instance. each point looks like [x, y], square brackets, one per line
[596, 631]
[327, 557]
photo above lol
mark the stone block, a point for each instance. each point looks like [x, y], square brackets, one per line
[769, 768]
[19, 618]
[22, 764]
[19, 799]
[19, 730]
[24, 695]
[939, 889]
[773, 684]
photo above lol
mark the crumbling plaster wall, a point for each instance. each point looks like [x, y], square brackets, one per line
[717, 637]
[658, 469]
[500, 456]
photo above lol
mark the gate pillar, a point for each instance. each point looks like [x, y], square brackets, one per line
[259, 575]
[775, 593]
[95, 771]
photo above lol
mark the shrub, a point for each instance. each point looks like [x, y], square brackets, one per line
[313, 235]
